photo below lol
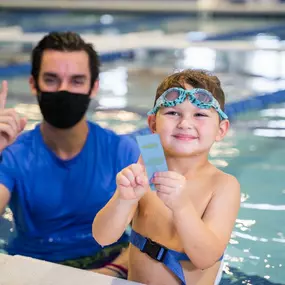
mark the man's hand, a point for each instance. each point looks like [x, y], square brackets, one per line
[11, 125]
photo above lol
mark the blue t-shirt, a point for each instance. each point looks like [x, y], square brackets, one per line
[54, 201]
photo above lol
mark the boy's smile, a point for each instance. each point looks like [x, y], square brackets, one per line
[184, 137]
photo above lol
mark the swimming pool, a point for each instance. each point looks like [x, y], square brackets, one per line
[252, 151]
[256, 160]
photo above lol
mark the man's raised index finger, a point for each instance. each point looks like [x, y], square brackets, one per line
[3, 94]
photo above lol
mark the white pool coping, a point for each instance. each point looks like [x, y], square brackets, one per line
[20, 270]
[155, 39]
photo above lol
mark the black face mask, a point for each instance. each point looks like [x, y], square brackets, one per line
[63, 109]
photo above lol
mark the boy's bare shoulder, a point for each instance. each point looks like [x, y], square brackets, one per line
[226, 182]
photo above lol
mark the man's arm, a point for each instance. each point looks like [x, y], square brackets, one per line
[10, 127]
[4, 198]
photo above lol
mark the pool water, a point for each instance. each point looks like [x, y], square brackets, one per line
[258, 239]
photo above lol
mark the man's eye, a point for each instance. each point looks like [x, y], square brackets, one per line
[78, 82]
[50, 80]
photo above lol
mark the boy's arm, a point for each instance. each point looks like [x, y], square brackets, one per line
[204, 240]
[111, 222]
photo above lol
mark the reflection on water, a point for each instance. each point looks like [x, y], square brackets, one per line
[119, 121]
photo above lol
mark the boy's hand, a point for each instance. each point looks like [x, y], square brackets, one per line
[170, 188]
[132, 182]
[11, 125]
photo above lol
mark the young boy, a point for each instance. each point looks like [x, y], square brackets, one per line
[181, 230]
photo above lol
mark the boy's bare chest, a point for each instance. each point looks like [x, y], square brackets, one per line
[155, 220]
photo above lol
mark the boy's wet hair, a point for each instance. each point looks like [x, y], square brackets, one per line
[197, 79]
[64, 41]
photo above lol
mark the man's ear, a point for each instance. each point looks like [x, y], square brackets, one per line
[223, 129]
[94, 89]
[32, 83]
[151, 119]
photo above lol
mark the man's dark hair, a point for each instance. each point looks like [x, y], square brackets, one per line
[65, 41]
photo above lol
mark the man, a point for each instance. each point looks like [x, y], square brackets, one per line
[59, 175]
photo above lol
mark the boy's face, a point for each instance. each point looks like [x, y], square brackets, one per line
[186, 130]
[63, 70]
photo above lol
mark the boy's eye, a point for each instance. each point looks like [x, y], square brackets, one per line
[172, 113]
[201, 115]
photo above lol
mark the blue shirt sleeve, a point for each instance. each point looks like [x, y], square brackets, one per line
[128, 152]
[7, 170]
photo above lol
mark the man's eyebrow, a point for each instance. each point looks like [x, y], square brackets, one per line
[77, 76]
[51, 74]
[80, 76]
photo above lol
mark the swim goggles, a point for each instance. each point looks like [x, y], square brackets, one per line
[201, 98]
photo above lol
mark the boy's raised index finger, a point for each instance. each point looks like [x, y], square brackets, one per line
[141, 162]
[3, 94]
